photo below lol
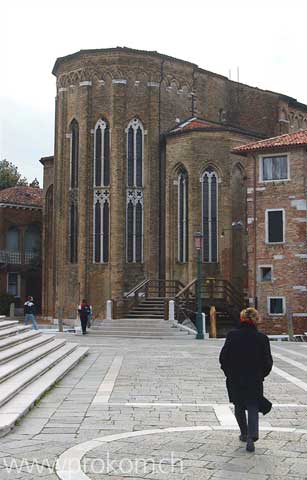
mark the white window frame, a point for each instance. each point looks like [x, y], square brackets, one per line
[267, 225]
[260, 275]
[18, 283]
[134, 204]
[185, 219]
[101, 201]
[282, 154]
[135, 123]
[283, 305]
[103, 124]
[210, 174]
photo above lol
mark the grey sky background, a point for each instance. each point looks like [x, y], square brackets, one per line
[266, 39]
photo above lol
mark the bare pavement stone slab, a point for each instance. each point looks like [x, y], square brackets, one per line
[159, 385]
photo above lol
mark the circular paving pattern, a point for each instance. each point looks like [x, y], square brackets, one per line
[187, 453]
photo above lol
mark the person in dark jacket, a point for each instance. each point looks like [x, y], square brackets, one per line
[246, 360]
[84, 311]
[29, 312]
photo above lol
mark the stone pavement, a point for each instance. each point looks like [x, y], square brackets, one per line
[158, 409]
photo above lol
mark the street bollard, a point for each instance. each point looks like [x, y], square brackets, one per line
[171, 313]
[12, 310]
[109, 309]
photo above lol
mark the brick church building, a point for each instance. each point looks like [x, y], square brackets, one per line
[145, 156]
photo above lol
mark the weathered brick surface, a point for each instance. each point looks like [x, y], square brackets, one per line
[158, 90]
[289, 268]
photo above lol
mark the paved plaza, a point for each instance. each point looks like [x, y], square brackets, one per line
[158, 409]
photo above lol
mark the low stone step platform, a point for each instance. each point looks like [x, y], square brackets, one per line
[136, 328]
[30, 363]
[6, 332]
[15, 339]
[23, 401]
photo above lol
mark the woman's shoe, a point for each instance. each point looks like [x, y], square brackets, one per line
[250, 447]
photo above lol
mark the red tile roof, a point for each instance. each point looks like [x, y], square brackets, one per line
[198, 124]
[282, 141]
[22, 196]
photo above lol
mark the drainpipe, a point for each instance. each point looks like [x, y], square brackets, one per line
[255, 231]
[161, 267]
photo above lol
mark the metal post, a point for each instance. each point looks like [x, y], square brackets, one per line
[171, 313]
[199, 318]
[290, 324]
[60, 319]
[109, 309]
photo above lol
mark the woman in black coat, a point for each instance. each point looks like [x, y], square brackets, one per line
[246, 359]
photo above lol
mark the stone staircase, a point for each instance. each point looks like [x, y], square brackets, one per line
[151, 328]
[152, 307]
[30, 364]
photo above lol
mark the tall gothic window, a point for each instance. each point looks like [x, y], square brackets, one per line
[183, 217]
[101, 226]
[101, 206]
[135, 142]
[102, 154]
[74, 155]
[209, 214]
[73, 233]
[135, 194]
[74, 183]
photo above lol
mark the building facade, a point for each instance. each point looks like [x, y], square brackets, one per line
[277, 230]
[20, 243]
[143, 158]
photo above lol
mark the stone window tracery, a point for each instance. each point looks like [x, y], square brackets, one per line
[101, 154]
[183, 217]
[74, 155]
[135, 193]
[101, 223]
[73, 200]
[209, 185]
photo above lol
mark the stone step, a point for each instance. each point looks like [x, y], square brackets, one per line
[18, 364]
[127, 324]
[8, 323]
[144, 308]
[144, 315]
[16, 339]
[24, 347]
[137, 335]
[14, 330]
[18, 406]
[15, 384]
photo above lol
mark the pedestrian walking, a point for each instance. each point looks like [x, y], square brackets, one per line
[90, 317]
[246, 360]
[29, 312]
[84, 311]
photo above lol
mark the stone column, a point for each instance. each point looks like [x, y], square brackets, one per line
[153, 249]
[59, 237]
[118, 191]
[83, 200]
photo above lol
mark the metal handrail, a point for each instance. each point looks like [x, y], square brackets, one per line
[187, 287]
[137, 288]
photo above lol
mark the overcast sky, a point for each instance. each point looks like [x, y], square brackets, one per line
[267, 40]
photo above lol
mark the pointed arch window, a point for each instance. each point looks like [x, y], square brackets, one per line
[135, 153]
[101, 154]
[183, 217]
[135, 195]
[210, 215]
[135, 227]
[74, 154]
[101, 226]
[73, 233]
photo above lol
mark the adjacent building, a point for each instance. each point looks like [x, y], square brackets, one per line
[143, 159]
[277, 229]
[20, 243]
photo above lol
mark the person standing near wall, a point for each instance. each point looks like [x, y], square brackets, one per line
[29, 312]
[84, 311]
[246, 360]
